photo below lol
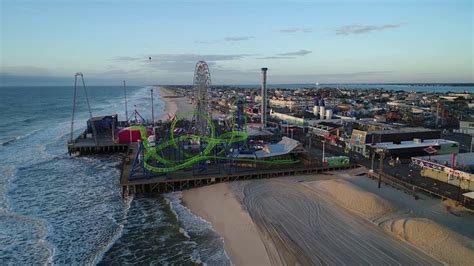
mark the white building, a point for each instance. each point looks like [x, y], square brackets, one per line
[467, 126]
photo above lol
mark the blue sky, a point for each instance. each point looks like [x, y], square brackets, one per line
[299, 41]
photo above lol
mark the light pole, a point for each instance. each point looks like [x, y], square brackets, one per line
[373, 157]
[113, 127]
[125, 94]
[411, 176]
[152, 109]
[324, 142]
[381, 152]
[309, 144]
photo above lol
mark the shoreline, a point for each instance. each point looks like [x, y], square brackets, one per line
[173, 105]
[218, 205]
[245, 241]
[241, 237]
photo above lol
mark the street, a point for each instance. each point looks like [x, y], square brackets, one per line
[404, 171]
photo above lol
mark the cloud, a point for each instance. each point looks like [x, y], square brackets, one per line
[115, 72]
[360, 29]
[187, 62]
[227, 39]
[90, 79]
[197, 57]
[297, 53]
[25, 70]
[295, 29]
[207, 42]
[275, 57]
[7, 79]
[179, 68]
[288, 55]
[127, 58]
[178, 62]
[238, 38]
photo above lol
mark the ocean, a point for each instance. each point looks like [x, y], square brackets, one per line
[56, 209]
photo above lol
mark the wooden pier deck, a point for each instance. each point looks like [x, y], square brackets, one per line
[88, 146]
[178, 182]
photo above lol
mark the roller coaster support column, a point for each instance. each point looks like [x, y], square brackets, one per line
[138, 168]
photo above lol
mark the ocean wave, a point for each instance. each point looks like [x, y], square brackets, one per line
[7, 142]
[26, 234]
[210, 251]
[61, 210]
[102, 250]
[173, 199]
[77, 201]
[28, 120]
[17, 138]
[8, 174]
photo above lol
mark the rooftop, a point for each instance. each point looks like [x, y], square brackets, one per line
[253, 132]
[413, 144]
[285, 146]
[468, 119]
[304, 114]
[402, 130]
[282, 110]
[465, 159]
[330, 124]
[371, 122]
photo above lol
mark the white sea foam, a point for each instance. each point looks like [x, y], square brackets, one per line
[185, 234]
[102, 250]
[193, 225]
[17, 138]
[61, 194]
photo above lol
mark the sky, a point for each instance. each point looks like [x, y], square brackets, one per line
[47, 42]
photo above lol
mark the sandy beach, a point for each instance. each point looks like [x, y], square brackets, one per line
[219, 206]
[173, 105]
[332, 218]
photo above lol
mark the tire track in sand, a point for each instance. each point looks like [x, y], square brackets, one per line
[306, 228]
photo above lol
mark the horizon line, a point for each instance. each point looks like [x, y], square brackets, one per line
[273, 84]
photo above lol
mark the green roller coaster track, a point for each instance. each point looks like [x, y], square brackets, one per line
[231, 137]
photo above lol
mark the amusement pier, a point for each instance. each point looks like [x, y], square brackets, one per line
[197, 148]
[253, 136]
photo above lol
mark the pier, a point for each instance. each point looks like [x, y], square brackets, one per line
[88, 146]
[99, 135]
[185, 180]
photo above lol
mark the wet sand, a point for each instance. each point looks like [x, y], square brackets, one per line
[219, 206]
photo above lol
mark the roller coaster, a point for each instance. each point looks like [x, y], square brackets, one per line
[215, 148]
[211, 147]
